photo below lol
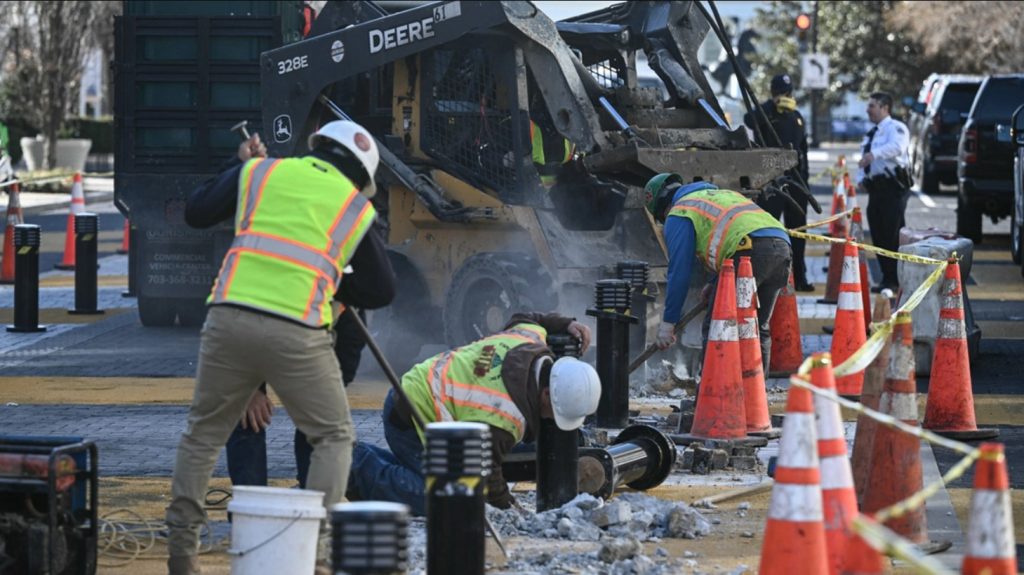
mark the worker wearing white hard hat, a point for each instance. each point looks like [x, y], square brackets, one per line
[508, 381]
[298, 223]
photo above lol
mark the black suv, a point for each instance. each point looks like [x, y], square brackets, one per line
[933, 147]
[985, 166]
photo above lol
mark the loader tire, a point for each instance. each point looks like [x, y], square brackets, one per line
[488, 288]
[156, 311]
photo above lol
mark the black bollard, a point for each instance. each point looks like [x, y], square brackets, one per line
[557, 450]
[613, 319]
[370, 538]
[457, 463]
[640, 457]
[26, 279]
[637, 273]
[87, 227]
[133, 254]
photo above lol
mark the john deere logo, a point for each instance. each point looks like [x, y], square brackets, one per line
[282, 128]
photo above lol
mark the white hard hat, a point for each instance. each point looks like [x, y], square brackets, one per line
[355, 139]
[575, 391]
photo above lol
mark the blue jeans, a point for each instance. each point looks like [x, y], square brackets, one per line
[395, 475]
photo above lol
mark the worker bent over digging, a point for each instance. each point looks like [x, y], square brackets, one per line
[706, 223]
[507, 381]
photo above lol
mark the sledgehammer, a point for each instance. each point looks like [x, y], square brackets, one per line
[390, 373]
[687, 318]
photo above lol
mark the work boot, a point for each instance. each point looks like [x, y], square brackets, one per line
[183, 565]
[803, 285]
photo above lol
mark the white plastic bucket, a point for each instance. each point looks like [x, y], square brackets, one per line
[274, 530]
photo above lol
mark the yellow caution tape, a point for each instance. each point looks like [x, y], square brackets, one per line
[891, 544]
[802, 380]
[866, 247]
[873, 346]
[823, 222]
[901, 508]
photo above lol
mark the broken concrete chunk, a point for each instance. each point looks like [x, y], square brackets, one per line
[747, 534]
[685, 522]
[614, 513]
[570, 529]
[743, 506]
[743, 462]
[619, 548]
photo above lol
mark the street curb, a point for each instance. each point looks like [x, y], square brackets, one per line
[63, 201]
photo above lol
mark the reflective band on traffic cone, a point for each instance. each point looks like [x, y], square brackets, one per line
[896, 457]
[857, 233]
[950, 409]
[835, 259]
[874, 381]
[861, 558]
[755, 398]
[794, 536]
[991, 549]
[719, 413]
[850, 333]
[838, 498]
[77, 207]
[787, 350]
[14, 218]
[125, 241]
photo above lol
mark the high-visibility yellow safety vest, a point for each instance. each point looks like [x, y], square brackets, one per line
[297, 225]
[721, 219]
[548, 172]
[464, 384]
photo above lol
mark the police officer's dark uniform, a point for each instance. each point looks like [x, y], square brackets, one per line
[883, 174]
[789, 125]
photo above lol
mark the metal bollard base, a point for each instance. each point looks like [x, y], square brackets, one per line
[16, 329]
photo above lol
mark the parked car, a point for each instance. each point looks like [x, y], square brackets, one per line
[933, 147]
[918, 107]
[1017, 216]
[985, 164]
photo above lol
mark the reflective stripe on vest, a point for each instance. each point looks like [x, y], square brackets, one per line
[720, 225]
[322, 236]
[451, 392]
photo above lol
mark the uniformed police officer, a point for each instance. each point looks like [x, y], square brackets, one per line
[791, 129]
[882, 172]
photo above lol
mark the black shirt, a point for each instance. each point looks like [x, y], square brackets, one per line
[370, 286]
[790, 127]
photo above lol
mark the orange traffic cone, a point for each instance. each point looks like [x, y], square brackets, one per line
[77, 207]
[990, 544]
[719, 413]
[125, 242]
[787, 350]
[794, 536]
[835, 259]
[857, 233]
[861, 558]
[837, 493]
[850, 333]
[896, 460]
[14, 217]
[874, 380]
[759, 422]
[851, 192]
[950, 409]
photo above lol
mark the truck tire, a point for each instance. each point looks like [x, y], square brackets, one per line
[929, 182]
[488, 289]
[156, 311]
[968, 220]
[1016, 234]
[191, 313]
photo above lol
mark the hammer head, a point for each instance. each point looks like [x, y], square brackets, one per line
[242, 129]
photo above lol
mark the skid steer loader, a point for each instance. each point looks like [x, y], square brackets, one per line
[456, 92]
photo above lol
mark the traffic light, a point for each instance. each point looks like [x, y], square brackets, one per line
[803, 27]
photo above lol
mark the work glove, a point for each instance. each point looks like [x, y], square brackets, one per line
[666, 335]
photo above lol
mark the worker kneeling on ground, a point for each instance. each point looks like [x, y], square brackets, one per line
[507, 381]
[706, 223]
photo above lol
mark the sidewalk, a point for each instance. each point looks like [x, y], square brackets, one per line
[96, 190]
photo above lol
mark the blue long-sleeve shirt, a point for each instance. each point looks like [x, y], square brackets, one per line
[681, 241]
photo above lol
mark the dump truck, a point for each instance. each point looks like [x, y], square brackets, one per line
[456, 94]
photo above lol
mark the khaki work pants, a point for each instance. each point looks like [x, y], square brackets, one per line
[240, 349]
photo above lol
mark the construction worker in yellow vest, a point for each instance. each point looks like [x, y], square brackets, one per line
[298, 223]
[507, 381]
[702, 222]
[549, 152]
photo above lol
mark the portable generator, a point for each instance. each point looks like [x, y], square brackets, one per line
[48, 506]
